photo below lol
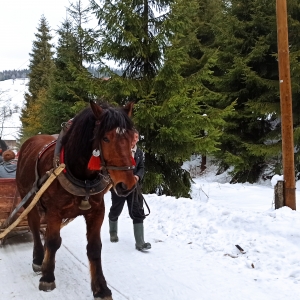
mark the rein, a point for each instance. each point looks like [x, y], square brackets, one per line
[138, 197]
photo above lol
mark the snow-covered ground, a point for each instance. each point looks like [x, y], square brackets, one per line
[11, 97]
[193, 256]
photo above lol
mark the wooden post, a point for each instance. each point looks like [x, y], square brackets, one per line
[286, 105]
[279, 194]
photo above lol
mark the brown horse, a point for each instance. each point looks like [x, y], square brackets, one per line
[78, 190]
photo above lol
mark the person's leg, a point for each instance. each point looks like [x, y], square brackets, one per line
[114, 213]
[136, 212]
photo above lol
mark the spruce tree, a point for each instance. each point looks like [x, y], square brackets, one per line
[200, 67]
[152, 50]
[41, 68]
[72, 84]
[66, 96]
[247, 73]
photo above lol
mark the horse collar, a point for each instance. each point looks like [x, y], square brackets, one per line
[73, 185]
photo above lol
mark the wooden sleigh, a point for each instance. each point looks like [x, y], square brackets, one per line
[9, 200]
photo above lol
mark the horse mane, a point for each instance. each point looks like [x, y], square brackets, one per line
[79, 139]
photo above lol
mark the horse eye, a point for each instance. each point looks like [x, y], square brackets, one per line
[106, 140]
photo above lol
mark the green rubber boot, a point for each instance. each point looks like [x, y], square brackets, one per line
[113, 231]
[139, 237]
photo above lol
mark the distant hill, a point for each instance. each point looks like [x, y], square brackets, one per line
[13, 74]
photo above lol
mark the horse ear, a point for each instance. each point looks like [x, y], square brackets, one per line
[97, 110]
[129, 108]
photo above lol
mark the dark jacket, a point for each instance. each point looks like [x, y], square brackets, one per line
[139, 169]
[8, 169]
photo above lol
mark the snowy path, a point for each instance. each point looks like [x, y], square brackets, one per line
[187, 261]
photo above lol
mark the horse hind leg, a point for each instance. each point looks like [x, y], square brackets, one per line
[33, 219]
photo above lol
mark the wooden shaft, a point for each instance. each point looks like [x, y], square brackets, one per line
[36, 198]
[286, 105]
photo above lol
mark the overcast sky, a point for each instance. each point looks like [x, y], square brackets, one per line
[19, 20]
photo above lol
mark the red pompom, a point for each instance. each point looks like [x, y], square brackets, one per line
[62, 158]
[133, 161]
[94, 163]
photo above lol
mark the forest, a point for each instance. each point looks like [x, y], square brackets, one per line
[13, 74]
[203, 75]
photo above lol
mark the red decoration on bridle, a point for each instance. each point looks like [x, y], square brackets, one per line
[95, 161]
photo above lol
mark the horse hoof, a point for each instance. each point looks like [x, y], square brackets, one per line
[105, 298]
[47, 286]
[37, 268]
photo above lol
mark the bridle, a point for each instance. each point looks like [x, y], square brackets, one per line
[105, 167]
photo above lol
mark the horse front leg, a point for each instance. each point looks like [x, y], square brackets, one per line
[33, 219]
[98, 283]
[52, 244]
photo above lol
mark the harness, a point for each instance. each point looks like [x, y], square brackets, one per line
[79, 187]
[73, 185]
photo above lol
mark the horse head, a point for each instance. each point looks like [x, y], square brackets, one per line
[113, 135]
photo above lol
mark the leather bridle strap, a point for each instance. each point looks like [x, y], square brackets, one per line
[126, 168]
[105, 167]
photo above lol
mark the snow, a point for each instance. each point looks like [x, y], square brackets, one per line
[193, 256]
[275, 179]
[12, 96]
[194, 241]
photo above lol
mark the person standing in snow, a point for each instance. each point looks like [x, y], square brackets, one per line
[8, 167]
[135, 208]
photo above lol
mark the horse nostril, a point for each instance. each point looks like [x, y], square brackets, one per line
[124, 186]
[122, 189]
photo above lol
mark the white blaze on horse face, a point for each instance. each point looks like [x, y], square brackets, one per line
[120, 130]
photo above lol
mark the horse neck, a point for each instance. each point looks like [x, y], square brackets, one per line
[77, 165]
